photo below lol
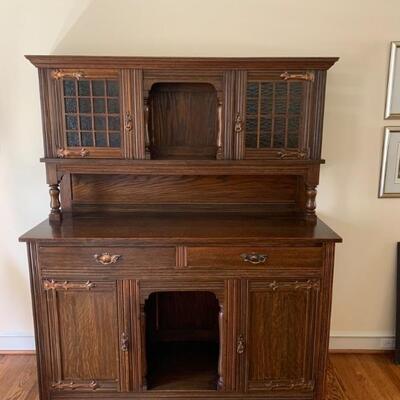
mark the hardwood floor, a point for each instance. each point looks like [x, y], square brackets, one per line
[361, 376]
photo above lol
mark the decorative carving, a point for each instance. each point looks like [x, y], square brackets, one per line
[93, 385]
[53, 285]
[254, 258]
[308, 76]
[221, 383]
[240, 345]
[143, 343]
[59, 74]
[297, 154]
[146, 131]
[311, 204]
[106, 258]
[307, 285]
[128, 123]
[124, 342]
[55, 212]
[62, 153]
[288, 385]
[238, 125]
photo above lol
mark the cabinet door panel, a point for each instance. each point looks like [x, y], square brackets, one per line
[280, 334]
[83, 334]
[273, 114]
[87, 113]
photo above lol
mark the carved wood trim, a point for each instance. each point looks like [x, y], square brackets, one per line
[128, 127]
[106, 258]
[55, 205]
[53, 285]
[61, 385]
[222, 347]
[313, 284]
[311, 204]
[308, 76]
[219, 155]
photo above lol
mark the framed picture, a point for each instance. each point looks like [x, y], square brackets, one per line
[389, 185]
[392, 110]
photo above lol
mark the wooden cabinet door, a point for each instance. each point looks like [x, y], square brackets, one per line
[279, 335]
[87, 113]
[273, 114]
[83, 335]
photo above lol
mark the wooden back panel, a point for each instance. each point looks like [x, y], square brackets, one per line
[233, 192]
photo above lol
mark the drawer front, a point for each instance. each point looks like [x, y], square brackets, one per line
[106, 257]
[255, 257]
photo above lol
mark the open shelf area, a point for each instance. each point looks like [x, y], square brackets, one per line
[183, 121]
[182, 341]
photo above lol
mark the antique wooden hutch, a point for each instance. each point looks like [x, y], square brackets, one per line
[182, 257]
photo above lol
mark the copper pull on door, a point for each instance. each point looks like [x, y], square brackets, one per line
[240, 345]
[124, 342]
[254, 258]
[106, 258]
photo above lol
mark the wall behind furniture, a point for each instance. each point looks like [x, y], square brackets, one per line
[358, 32]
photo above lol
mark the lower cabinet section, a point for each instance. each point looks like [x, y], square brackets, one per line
[220, 337]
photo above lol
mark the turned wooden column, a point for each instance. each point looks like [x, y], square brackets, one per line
[143, 344]
[311, 204]
[221, 316]
[55, 205]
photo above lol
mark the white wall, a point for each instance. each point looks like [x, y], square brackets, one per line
[358, 32]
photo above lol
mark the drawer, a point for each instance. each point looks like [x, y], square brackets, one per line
[254, 257]
[106, 257]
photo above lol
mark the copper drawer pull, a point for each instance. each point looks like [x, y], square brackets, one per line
[64, 153]
[254, 258]
[106, 258]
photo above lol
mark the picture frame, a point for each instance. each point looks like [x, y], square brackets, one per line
[392, 109]
[389, 184]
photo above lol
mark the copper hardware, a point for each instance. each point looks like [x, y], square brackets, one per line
[106, 258]
[308, 76]
[290, 384]
[219, 136]
[299, 154]
[308, 285]
[58, 74]
[124, 342]
[72, 385]
[240, 345]
[254, 258]
[62, 153]
[128, 123]
[53, 285]
[238, 124]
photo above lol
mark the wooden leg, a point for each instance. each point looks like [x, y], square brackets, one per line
[55, 211]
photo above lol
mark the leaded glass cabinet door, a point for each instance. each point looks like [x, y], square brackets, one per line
[88, 113]
[272, 115]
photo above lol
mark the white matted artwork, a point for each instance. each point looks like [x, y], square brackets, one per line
[392, 109]
[389, 185]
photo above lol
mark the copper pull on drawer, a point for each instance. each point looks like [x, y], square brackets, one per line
[254, 258]
[106, 258]
[240, 345]
[124, 342]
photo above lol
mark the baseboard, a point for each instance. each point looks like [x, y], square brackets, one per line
[338, 343]
[16, 343]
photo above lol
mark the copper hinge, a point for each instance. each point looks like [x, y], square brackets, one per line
[74, 385]
[59, 74]
[292, 154]
[63, 153]
[308, 76]
[53, 285]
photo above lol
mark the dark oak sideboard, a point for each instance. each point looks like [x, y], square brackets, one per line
[182, 257]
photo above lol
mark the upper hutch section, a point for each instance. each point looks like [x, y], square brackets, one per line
[133, 108]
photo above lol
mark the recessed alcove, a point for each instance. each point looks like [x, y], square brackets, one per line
[183, 121]
[182, 341]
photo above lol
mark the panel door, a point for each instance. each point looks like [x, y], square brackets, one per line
[279, 335]
[273, 114]
[87, 113]
[83, 335]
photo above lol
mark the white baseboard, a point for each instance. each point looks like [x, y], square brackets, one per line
[17, 343]
[337, 342]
